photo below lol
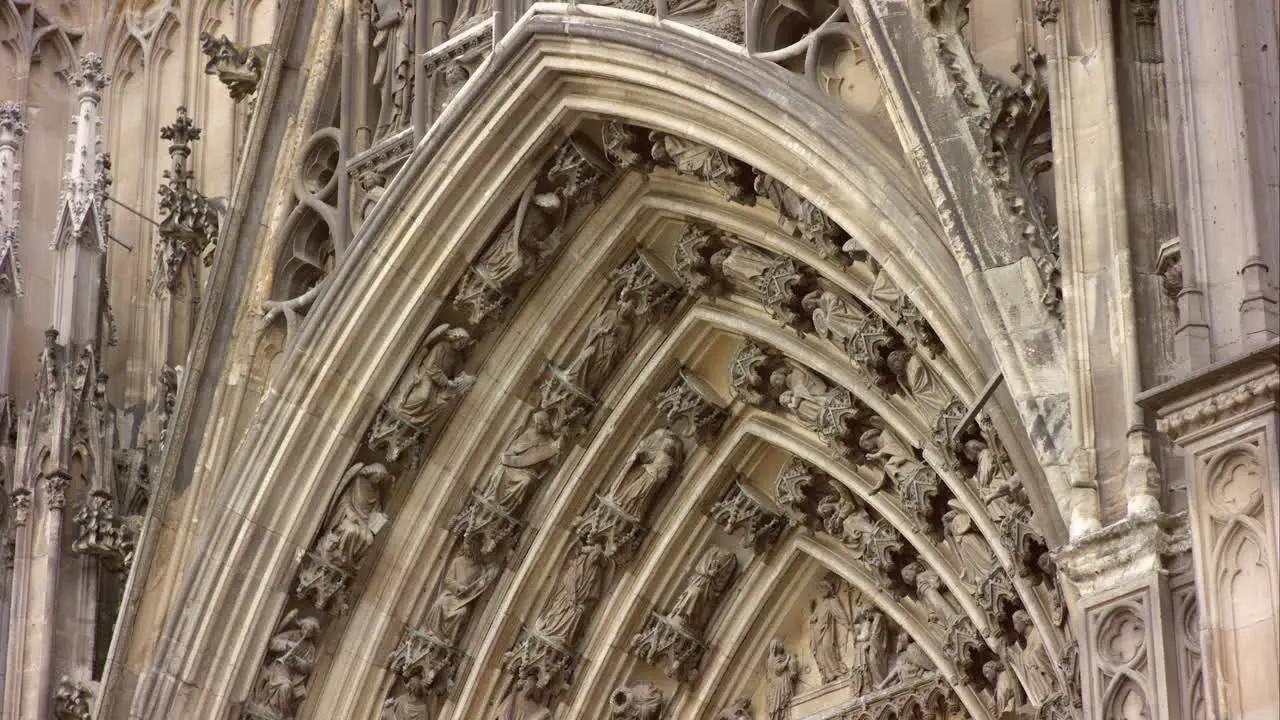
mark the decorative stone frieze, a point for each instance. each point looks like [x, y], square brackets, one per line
[237, 67]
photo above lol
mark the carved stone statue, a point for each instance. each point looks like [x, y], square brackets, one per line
[812, 401]
[800, 217]
[1006, 690]
[738, 709]
[1038, 676]
[833, 318]
[409, 704]
[710, 578]
[432, 382]
[918, 381]
[466, 579]
[893, 454]
[522, 464]
[929, 592]
[575, 596]
[657, 456]
[781, 672]
[828, 627]
[356, 516]
[607, 341]
[910, 663]
[642, 701]
[976, 557]
[870, 642]
[282, 683]
[524, 702]
[392, 45]
[706, 163]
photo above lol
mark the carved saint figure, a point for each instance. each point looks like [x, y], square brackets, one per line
[409, 704]
[781, 672]
[1037, 667]
[892, 453]
[574, 597]
[431, 383]
[522, 464]
[844, 519]
[910, 663]
[392, 44]
[652, 462]
[711, 577]
[917, 380]
[355, 518]
[806, 395]
[1005, 687]
[828, 626]
[742, 266]
[464, 582]
[869, 646]
[607, 340]
[282, 685]
[976, 558]
[930, 592]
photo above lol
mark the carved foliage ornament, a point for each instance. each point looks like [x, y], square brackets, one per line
[189, 220]
[737, 511]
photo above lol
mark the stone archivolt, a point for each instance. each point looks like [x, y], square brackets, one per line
[884, 339]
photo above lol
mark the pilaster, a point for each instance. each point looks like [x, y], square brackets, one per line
[1129, 652]
[1226, 423]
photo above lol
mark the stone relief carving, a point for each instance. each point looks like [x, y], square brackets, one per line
[544, 652]
[433, 380]
[678, 635]
[238, 67]
[738, 709]
[103, 533]
[641, 701]
[782, 674]
[615, 519]
[728, 175]
[829, 628]
[909, 663]
[975, 556]
[916, 484]
[939, 607]
[1037, 668]
[737, 510]
[802, 218]
[1006, 692]
[282, 683]
[71, 700]
[353, 521]
[869, 650]
[409, 704]
[534, 232]
[690, 408]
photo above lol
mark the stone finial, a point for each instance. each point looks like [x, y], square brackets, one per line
[11, 125]
[90, 77]
[181, 132]
[190, 220]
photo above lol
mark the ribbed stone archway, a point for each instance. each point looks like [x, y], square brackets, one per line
[624, 298]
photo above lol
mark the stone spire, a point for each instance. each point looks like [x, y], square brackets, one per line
[80, 235]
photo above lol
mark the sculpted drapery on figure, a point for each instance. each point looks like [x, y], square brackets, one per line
[409, 704]
[432, 381]
[870, 643]
[829, 625]
[782, 673]
[677, 635]
[712, 575]
[392, 45]
[711, 165]
[652, 462]
[910, 663]
[348, 533]
[467, 578]
[575, 596]
[975, 555]
[918, 381]
[282, 682]
[522, 464]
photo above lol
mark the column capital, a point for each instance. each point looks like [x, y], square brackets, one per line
[1124, 554]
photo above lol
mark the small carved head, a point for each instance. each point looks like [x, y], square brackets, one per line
[991, 670]
[973, 449]
[870, 440]
[459, 338]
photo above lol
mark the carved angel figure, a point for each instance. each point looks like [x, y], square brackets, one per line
[356, 516]
[409, 704]
[781, 672]
[828, 626]
[710, 578]
[432, 383]
[464, 582]
[807, 396]
[657, 456]
[575, 595]
[282, 684]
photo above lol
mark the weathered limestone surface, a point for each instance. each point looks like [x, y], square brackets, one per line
[637, 360]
